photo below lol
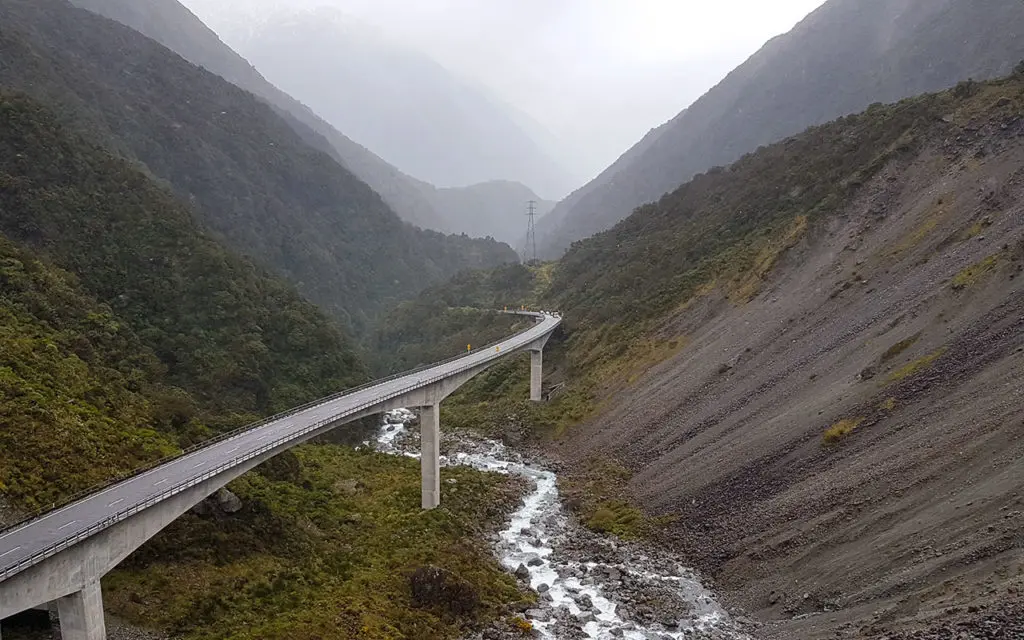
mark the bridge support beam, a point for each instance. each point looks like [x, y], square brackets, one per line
[430, 455]
[536, 374]
[81, 614]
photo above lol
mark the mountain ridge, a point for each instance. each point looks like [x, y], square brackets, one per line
[439, 141]
[251, 178]
[416, 201]
[841, 58]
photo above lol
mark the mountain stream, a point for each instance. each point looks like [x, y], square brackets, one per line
[588, 585]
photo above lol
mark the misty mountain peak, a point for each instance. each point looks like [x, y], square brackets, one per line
[400, 103]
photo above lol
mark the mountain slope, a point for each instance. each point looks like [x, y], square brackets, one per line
[400, 103]
[843, 57]
[837, 319]
[478, 210]
[251, 178]
[806, 367]
[127, 331]
[174, 26]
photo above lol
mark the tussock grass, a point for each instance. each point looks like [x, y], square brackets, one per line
[915, 367]
[840, 430]
[976, 272]
[900, 347]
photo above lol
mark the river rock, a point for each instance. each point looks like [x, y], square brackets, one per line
[522, 572]
[540, 615]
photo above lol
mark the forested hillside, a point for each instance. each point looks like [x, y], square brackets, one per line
[251, 179]
[446, 318]
[843, 57]
[128, 332]
[175, 27]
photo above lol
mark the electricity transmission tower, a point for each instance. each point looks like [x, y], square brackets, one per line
[531, 231]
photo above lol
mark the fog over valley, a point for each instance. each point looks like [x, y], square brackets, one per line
[582, 80]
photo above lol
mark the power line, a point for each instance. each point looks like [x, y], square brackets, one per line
[531, 230]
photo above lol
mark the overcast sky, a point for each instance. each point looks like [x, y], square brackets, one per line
[597, 74]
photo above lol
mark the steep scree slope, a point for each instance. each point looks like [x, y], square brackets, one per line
[841, 433]
[843, 57]
[250, 177]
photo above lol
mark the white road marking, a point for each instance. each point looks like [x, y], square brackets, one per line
[198, 464]
[65, 526]
[10, 551]
[115, 502]
[157, 484]
[232, 450]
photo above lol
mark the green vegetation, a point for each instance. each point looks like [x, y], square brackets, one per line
[80, 396]
[597, 496]
[976, 272]
[250, 178]
[840, 430]
[900, 347]
[328, 549]
[914, 367]
[127, 332]
[239, 340]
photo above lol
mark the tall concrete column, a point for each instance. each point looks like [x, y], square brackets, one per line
[81, 614]
[536, 374]
[430, 455]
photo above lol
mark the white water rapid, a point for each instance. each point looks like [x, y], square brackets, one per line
[578, 596]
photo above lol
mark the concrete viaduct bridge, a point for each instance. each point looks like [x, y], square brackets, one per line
[61, 555]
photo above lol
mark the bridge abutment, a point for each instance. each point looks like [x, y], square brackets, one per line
[430, 455]
[81, 614]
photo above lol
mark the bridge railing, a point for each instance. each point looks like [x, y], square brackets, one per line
[249, 427]
[162, 495]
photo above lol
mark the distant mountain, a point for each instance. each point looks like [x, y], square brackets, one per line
[174, 26]
[843, 57]
[245, 172]
[400, 103]
[478, 213]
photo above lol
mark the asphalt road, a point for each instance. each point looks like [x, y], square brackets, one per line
[24, 543]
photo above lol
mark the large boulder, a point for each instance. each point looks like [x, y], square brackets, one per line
[434, 587]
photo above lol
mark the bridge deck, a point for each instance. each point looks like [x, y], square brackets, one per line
[41, 537]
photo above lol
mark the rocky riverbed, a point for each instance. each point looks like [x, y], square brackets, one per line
[588, 585]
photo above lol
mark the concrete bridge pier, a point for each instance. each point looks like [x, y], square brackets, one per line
[81, 614]
[536, 374]
[430, 455]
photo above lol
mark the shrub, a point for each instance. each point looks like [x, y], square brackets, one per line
[839, 431]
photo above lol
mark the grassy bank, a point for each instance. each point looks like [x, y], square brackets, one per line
[325, 546]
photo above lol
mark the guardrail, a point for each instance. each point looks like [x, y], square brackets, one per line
[162, 495]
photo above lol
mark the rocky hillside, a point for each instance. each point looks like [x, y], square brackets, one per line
[840, 59]
[251, 179]
[806, 366]
[835, 423]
